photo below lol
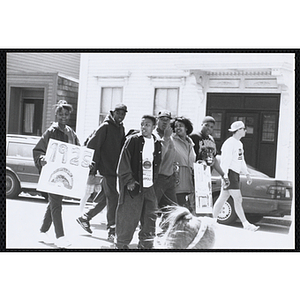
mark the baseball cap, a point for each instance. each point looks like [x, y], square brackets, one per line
[121, 106]
[236, 126]
[63, 104]
[208, 119]
[164, 113]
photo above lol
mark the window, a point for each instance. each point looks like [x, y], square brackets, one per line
[218, 124]
[268, 132]
[20, 150]
[110, 96]
[166, 99]
[28, 118]
[32, 116]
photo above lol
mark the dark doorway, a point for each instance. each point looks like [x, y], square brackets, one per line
[26, 107]
[260, 114]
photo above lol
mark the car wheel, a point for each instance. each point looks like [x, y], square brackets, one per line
[254, 218]
[13, 188]
[227, 214]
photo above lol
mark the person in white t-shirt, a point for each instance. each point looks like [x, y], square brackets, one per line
[233, 164]
[137, 170]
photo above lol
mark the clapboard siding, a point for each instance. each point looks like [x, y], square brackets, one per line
[44, 70]
[138, 89]
[66, 63]
[140, 73]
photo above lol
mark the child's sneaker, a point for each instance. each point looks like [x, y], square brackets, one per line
[62, 242]
[85, 224]
[44, 238]
[111, 234]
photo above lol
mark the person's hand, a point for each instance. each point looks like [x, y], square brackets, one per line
[43, 160]
[226, 182]
[249, 179]
[168, 132]
[92, 165]
[203, 162]
[131, 186]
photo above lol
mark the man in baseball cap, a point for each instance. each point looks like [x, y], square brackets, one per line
[165, 183]
[107, 141]
[233, 163]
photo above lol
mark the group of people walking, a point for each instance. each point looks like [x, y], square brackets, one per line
[153, 167]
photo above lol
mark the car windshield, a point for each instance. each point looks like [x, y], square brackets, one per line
[21, 150]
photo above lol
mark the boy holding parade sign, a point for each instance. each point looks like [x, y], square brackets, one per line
[53, 149]
[205, 149]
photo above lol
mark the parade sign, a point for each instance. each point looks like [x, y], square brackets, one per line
[67, 169]
[203, 194]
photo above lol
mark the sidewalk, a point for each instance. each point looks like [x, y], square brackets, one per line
[23, 220]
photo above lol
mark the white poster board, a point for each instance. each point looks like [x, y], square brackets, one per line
[203, 194]
[67, 169]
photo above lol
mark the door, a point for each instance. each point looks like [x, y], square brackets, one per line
[260, 113]
[250, 141]
[32, 117]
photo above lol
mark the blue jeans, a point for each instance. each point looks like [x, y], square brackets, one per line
[142, 208]
[53, 214]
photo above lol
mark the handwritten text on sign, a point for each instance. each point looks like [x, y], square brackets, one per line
[67, 169]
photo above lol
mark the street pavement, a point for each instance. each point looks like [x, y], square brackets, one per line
[24, 216]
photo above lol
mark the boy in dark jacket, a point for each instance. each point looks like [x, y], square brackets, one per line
[137, 171]
[107, 142]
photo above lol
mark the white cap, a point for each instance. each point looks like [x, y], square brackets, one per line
[236, 126]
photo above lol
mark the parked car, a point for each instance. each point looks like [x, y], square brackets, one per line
[266, 196]
[21, 173]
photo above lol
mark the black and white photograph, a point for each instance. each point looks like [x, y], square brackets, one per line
[192, 150]
[193, 191]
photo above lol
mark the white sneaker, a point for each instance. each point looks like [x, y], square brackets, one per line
[44, 238]
[62, 242]
[251, 227]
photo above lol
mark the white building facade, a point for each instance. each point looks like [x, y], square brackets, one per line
[255, 88]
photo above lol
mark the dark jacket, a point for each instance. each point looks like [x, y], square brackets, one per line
[107, 142]
[53, 132]
[130, 164]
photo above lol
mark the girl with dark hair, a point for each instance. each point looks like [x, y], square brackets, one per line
[184, 158]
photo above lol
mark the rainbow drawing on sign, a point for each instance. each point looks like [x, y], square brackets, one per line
[62, 177]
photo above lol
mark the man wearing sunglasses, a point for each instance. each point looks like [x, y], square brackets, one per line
[233, 163]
